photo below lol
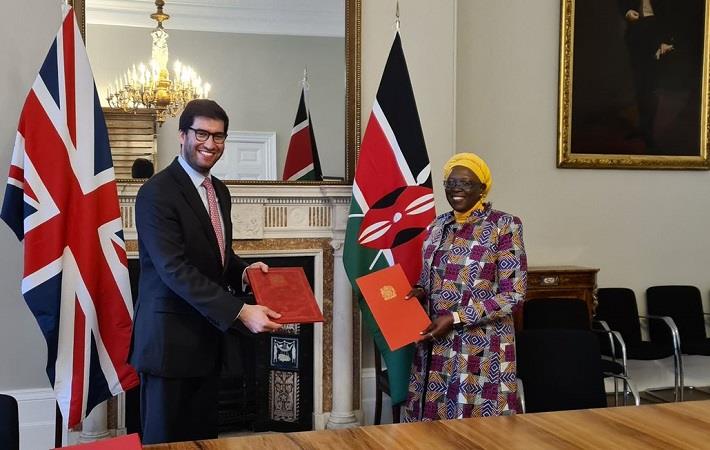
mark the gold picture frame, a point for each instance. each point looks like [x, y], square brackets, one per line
[620, 108]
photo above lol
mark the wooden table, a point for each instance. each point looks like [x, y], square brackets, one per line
[666, 426]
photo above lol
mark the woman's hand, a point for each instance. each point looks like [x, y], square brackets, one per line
[438, 328]
[418, 292]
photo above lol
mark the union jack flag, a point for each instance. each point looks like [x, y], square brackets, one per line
[61, 201]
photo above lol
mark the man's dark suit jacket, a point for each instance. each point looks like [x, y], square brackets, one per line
[183, 309]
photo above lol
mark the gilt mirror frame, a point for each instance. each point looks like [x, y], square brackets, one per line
[352, 93]
[601, 117]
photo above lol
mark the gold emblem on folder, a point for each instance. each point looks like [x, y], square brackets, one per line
[388, 292]
[278, 280]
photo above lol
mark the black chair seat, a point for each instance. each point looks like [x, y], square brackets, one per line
[696, 347]
[647, 350]
[611, 367]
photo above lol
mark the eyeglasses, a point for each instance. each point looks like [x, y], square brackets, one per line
[202, 136]
[465, 185]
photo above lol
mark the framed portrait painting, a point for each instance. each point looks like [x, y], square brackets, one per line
[633, 84]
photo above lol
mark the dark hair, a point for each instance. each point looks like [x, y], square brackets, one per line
[142, 168]
[202, 107]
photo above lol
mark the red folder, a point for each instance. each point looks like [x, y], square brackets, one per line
[400, 320]
[286, 291]
[127, 442]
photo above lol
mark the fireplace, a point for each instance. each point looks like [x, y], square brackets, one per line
[275, 393]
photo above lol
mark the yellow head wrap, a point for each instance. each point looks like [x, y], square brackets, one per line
[479, 167]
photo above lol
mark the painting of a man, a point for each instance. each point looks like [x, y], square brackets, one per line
[637, 77]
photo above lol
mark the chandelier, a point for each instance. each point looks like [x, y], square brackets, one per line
[150, 86]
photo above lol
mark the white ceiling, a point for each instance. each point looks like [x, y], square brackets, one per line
[289, 17]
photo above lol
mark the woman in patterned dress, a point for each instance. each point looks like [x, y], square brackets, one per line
[473, 276]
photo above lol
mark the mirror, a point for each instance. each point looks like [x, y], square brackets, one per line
[339, 145]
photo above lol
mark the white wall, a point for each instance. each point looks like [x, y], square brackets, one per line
[22, 49]
[22, 347]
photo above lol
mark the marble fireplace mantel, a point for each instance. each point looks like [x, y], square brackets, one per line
[282, 220]
[270, 211]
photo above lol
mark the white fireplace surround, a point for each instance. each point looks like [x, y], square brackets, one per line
[267, 212]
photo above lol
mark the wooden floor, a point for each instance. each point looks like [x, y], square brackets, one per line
[662, 426]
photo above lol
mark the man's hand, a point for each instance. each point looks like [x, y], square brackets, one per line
[632, 15]
[663, 49]
[438, 328]
[257, 265]
[257, 318]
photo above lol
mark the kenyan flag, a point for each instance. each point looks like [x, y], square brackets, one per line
[392, 201]
[302, 162]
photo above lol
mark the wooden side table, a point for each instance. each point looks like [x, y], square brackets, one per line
[560, 282]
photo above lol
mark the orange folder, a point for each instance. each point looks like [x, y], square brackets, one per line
[286, 291]
[400, 320]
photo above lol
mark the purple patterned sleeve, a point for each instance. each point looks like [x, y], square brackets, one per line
[511, 274]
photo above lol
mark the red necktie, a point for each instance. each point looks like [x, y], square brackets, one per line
[214, 215]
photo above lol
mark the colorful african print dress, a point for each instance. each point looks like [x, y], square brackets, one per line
[479, 269]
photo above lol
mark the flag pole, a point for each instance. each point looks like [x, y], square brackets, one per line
[306, 87]
[58, 428]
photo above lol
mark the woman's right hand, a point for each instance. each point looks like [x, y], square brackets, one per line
[418, 292]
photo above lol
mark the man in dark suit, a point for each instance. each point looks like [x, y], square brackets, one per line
[648, 39]
[188, 287]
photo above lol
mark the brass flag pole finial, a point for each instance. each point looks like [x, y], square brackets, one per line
[396, 15]
[304, 81]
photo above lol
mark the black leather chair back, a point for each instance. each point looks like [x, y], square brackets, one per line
[9, 423]
[560, 370]
[562, 313]
[683, 304]
[617, 307]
